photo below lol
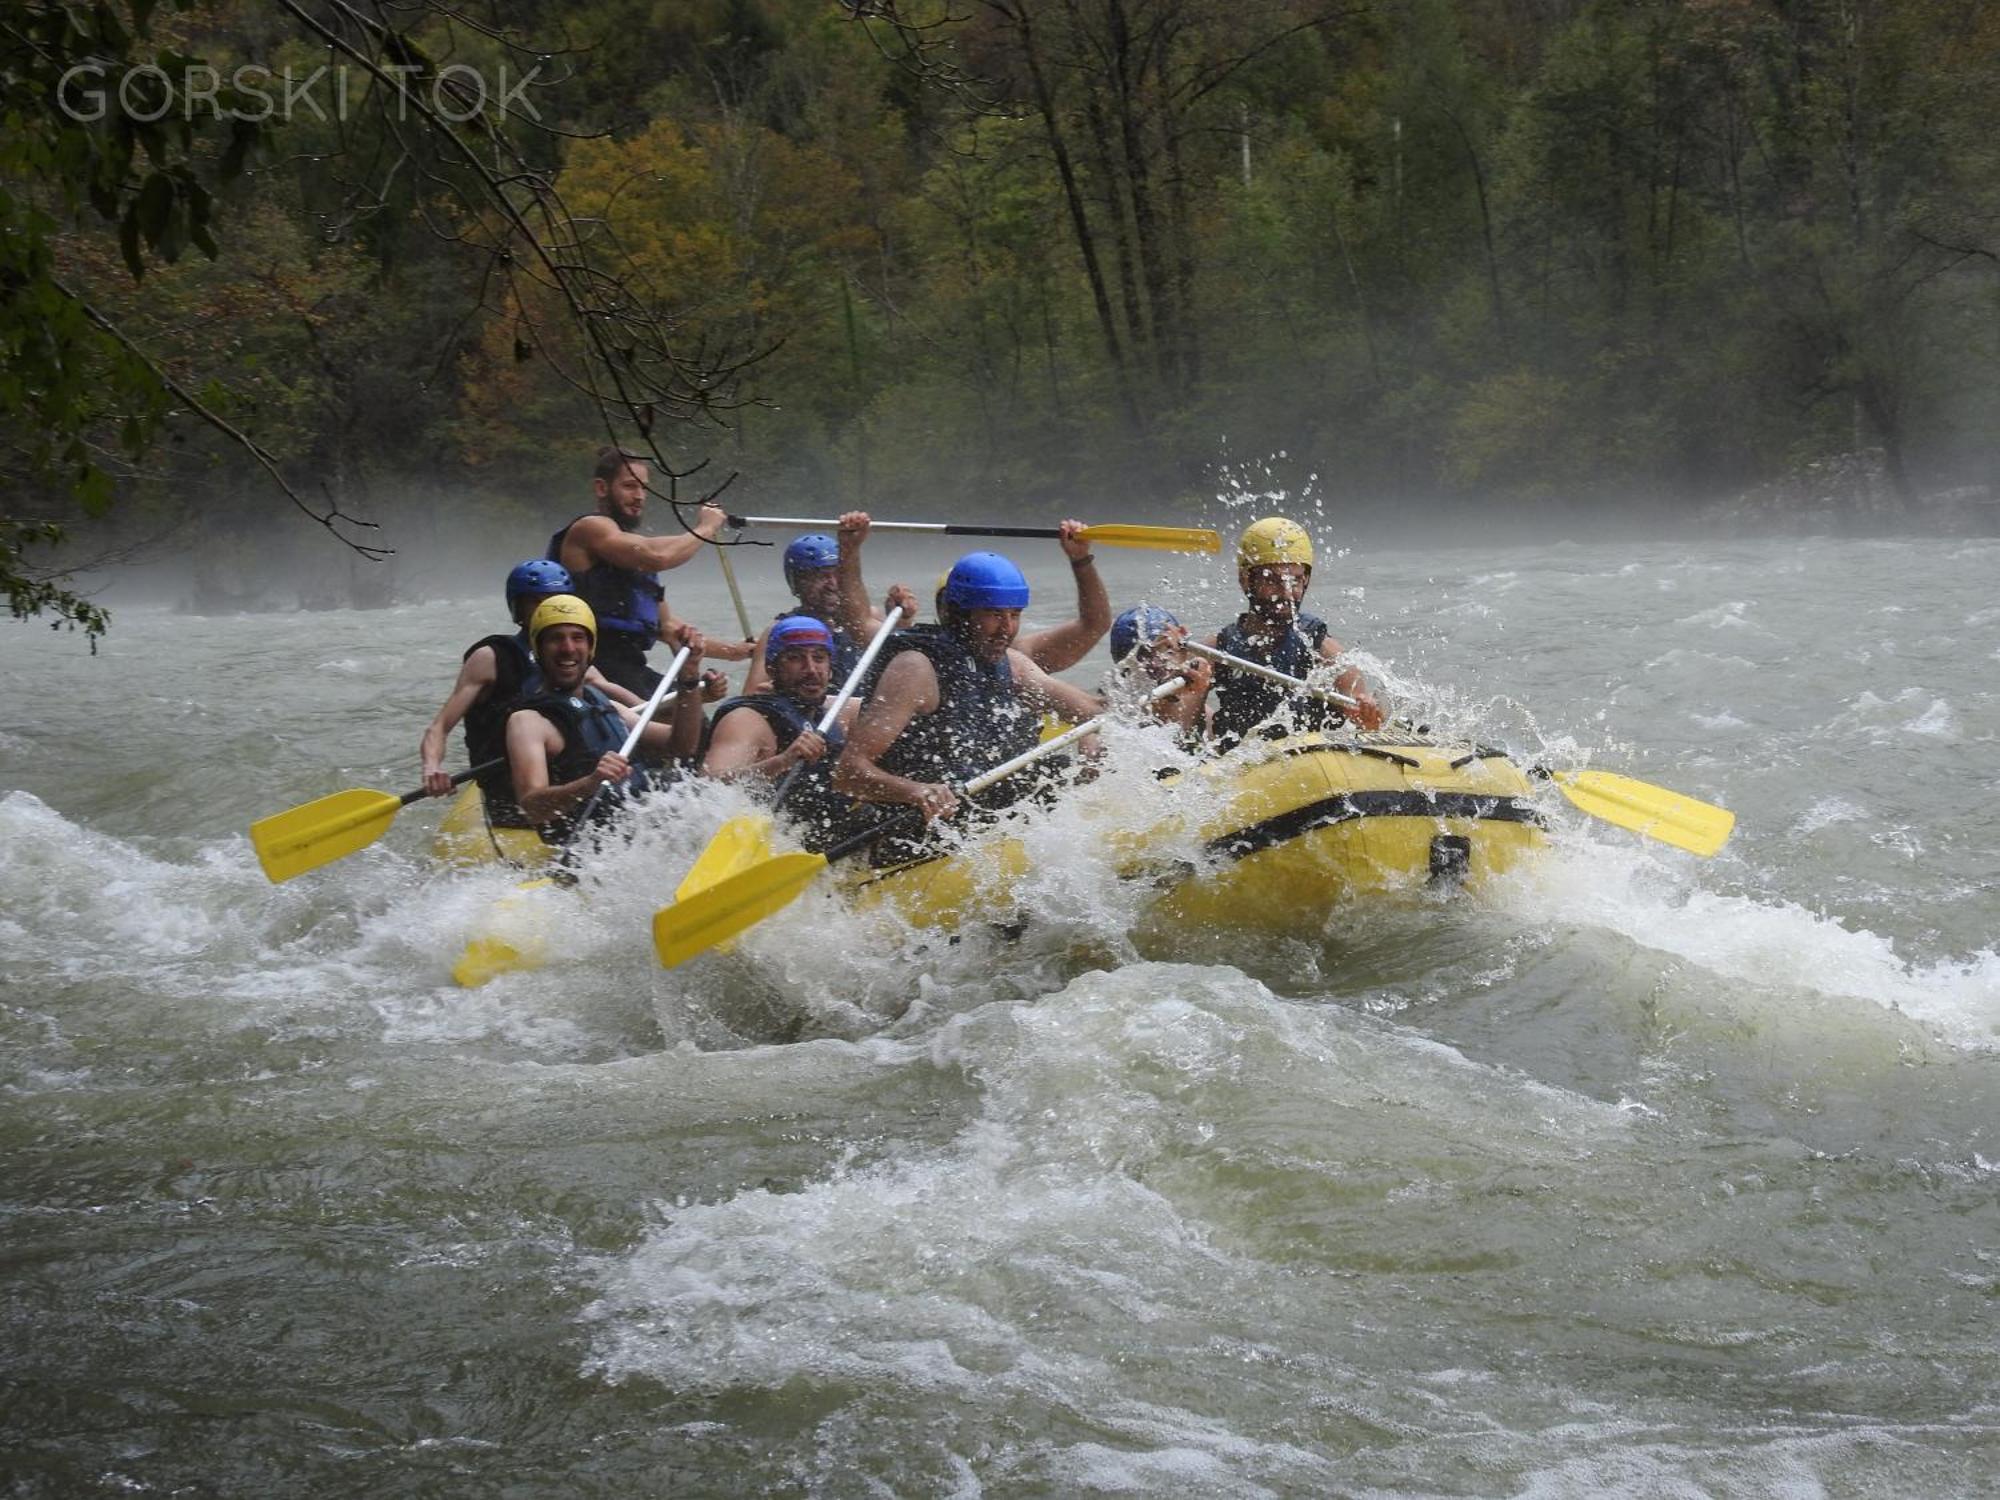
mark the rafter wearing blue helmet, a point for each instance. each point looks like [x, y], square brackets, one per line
[1146, 645]
[495, 672]
[954, 699]
[773, 736]
[1140, 626]
[530, 582]
[824, 573]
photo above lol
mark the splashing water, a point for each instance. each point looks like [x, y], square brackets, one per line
[1630, 1173]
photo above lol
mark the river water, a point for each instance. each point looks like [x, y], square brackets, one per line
[1639, 1174]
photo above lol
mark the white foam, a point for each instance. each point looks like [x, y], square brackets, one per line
[1825, 812]
[1759, 943]
[974, 1271]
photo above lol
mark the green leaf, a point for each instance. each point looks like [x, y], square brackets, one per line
[92, 490]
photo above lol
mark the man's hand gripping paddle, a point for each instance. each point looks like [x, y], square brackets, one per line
[492, 954]
[1698, 827]
[712, 916]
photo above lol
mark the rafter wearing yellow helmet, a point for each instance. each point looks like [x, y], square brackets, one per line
[565, 738]
[1274, 564]
[1273, 540]
[562, 609]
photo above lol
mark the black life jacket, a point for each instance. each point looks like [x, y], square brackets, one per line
[787, 719]
[515, 675]
[979, 722]
[1242, 701]
[811, 802]
[591, 728]
[847, 652]
[627, 604]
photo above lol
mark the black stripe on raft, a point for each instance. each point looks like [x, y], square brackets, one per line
[1348, 806]
[1349, 747]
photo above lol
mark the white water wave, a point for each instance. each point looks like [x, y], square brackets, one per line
[1762, 943]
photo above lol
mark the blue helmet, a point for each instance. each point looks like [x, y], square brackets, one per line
[984, 580]
[1138, 627]
[794, 631]
[809, 554]
[539, 577]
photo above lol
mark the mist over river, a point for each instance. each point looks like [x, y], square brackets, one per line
[1638, 1174]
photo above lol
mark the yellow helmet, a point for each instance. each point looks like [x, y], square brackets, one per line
[562, 609]
[1274, 540]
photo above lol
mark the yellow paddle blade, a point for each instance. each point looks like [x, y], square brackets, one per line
[737, 845]
[1159, 538]
[701, 921]
[513, 942]
[1698, 827]
[291, 843]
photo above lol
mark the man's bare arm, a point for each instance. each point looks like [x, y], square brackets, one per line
[476, 674]
[600, 539]
[908, 688]
[531, 740]
[1061, 647]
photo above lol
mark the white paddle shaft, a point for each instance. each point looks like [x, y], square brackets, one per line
[861, 667]
[1270, 674]
[1062, 741]
[660, 695]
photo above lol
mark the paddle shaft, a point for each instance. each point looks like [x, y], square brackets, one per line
[661, 693]
[459, 780]
[832, 714]
[1270, 674]
[1114, 535]
[940, 528]
[735, 593]
[993, 777]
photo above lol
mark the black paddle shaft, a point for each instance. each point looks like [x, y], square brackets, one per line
[459, 780]
[943, 528]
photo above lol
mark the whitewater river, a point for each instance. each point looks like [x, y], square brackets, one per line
[1640, 1174]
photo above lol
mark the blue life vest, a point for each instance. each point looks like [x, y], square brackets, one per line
[1242, 701]
[626, 603]
[591, 728]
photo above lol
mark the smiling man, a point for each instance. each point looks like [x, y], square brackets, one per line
[565, 741]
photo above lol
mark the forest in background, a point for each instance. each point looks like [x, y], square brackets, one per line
[991, 256]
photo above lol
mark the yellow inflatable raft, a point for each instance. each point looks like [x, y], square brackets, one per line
[465, 838]
[1288, 829]
[1284, 831]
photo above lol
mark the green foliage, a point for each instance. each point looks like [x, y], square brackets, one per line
[1012, 255]
[90, 126]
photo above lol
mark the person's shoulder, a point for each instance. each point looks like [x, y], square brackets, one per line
[906, 667]
[592, 525]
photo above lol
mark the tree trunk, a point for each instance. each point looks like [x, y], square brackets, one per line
[1126, 82]
[1079, 218]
